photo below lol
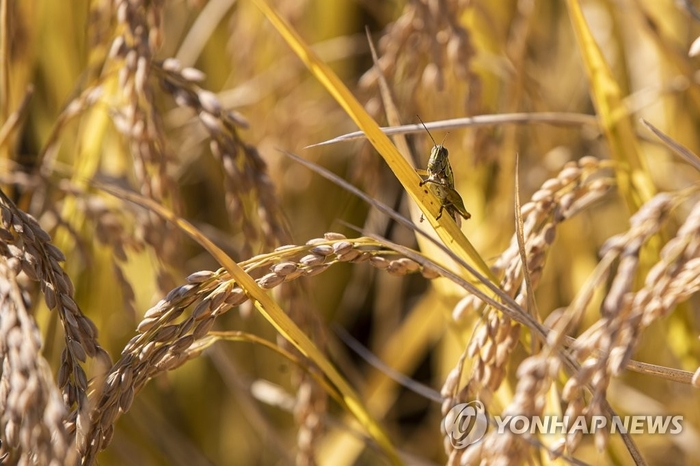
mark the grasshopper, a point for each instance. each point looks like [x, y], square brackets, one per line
[440, 181]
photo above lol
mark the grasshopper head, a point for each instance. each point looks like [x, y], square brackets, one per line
[438, 160]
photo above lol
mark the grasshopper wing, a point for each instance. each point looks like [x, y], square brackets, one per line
[453, 198]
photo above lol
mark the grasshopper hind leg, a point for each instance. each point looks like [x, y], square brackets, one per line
[442, 207]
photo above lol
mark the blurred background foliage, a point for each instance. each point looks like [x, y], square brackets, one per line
[443, 59]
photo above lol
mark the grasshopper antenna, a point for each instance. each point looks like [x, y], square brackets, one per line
[426, 128]
[431, 136]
